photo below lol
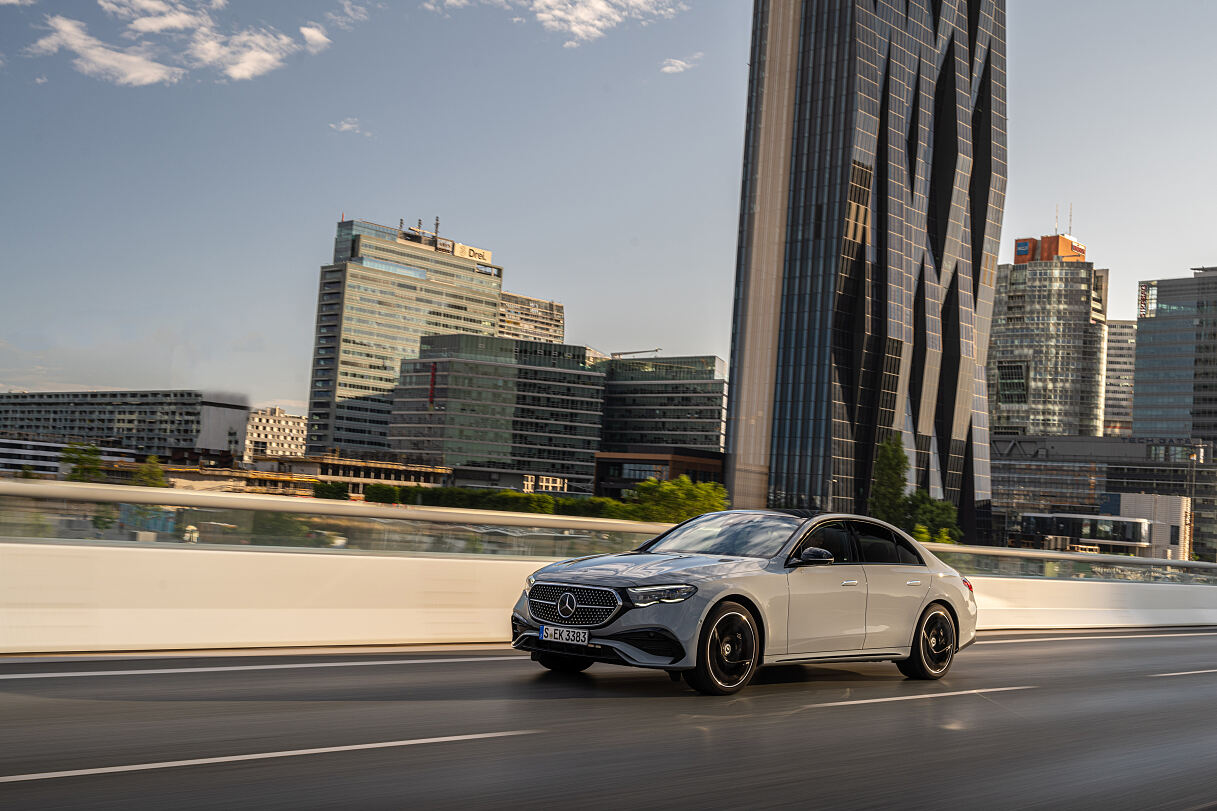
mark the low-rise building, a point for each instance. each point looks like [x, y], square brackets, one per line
[165, 423]
[42, 455]
[620, 471]
[274, 432]
[1078, 475]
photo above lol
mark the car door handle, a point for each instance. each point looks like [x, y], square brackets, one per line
[913, 583]
[849, 582]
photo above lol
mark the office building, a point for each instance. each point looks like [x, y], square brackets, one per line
[502, 412]
[41, 455]
[1078, 475]
[1048, 343]
[384, 289]
[676, 402]
[620, 471]
[531, 319]
[1118, 380]
[274, 432]
[173, 424]
[1176, 366]
[874, 180]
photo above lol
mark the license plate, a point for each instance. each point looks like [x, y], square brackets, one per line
[571, 636]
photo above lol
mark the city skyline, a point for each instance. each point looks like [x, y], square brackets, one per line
[168, 232]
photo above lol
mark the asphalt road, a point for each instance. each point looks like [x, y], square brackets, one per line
[1115, 720]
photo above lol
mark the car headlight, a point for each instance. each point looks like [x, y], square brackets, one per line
[649, 595]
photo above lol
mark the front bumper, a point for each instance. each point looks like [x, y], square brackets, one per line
[661, 636]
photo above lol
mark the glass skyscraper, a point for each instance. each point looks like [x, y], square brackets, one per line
[385, 289]
[873, 185]
[1049, 340]
[1175, 392]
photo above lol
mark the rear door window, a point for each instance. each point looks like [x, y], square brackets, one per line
[876, 543]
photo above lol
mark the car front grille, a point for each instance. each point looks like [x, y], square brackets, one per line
[592, 605]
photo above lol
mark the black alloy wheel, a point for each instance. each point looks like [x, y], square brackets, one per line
[729, 651]
[561, 663]
[933, 648]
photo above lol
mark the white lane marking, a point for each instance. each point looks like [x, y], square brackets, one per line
[920, 696]
[173, 764]
[221, 669]
[1081, 638]
[1181, 673]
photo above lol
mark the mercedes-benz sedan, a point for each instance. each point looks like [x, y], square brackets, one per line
[717, 597]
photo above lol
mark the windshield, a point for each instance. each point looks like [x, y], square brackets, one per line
[749, 535]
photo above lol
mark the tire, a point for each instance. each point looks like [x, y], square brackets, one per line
[561, 663]
[728, 651]
[933, 648]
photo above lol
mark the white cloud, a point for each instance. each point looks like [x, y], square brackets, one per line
[131, 67]
[314, 38]
[244, 55]
[581, 20]
[680, 65]
[351, 14]
[173, 37]
[41, 80]
[17, 2]
[1, 60]
[350, 125]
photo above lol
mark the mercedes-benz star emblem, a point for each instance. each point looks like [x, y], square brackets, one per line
[566, 605]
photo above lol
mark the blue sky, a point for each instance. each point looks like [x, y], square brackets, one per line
[173, 170]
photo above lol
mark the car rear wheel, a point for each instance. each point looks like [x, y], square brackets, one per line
[933, 648]
[561, 663]
[728, 652]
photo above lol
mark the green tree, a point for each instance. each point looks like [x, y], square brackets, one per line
[85, 462]
[339, 491]
[150, 474]
[675, 500]
[937, 516]
[921, 533]
[944, 536]
[512, 501]
[381, 493]
[26, 472]
[593, 507]
[887, 501]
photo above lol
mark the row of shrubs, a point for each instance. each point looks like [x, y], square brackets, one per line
[669, 501]
[506, 500]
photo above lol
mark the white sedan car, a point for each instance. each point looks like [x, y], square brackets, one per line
[725, 593]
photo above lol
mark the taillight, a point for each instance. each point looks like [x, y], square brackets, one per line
[968, 583]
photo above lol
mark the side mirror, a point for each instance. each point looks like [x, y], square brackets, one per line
[813, 556]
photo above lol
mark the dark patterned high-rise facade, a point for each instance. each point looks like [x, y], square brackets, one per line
[873, 186]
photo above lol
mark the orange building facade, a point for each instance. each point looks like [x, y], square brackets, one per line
[1047, 248]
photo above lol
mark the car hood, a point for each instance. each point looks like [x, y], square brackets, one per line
[643, 568]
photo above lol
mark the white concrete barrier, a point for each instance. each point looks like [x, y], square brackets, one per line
[57, 597]
[76, 597]
[1010, 602]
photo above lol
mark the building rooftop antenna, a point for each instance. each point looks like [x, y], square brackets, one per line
[1056, 220]
[1071, 218]
[437, 226]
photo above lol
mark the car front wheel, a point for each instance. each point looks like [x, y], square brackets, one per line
[933, 647]
[728, 652]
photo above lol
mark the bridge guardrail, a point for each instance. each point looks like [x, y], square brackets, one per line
[119, 515]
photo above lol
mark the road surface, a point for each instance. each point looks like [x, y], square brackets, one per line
[1122, 719]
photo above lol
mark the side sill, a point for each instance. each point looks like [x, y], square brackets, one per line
[870, 656]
